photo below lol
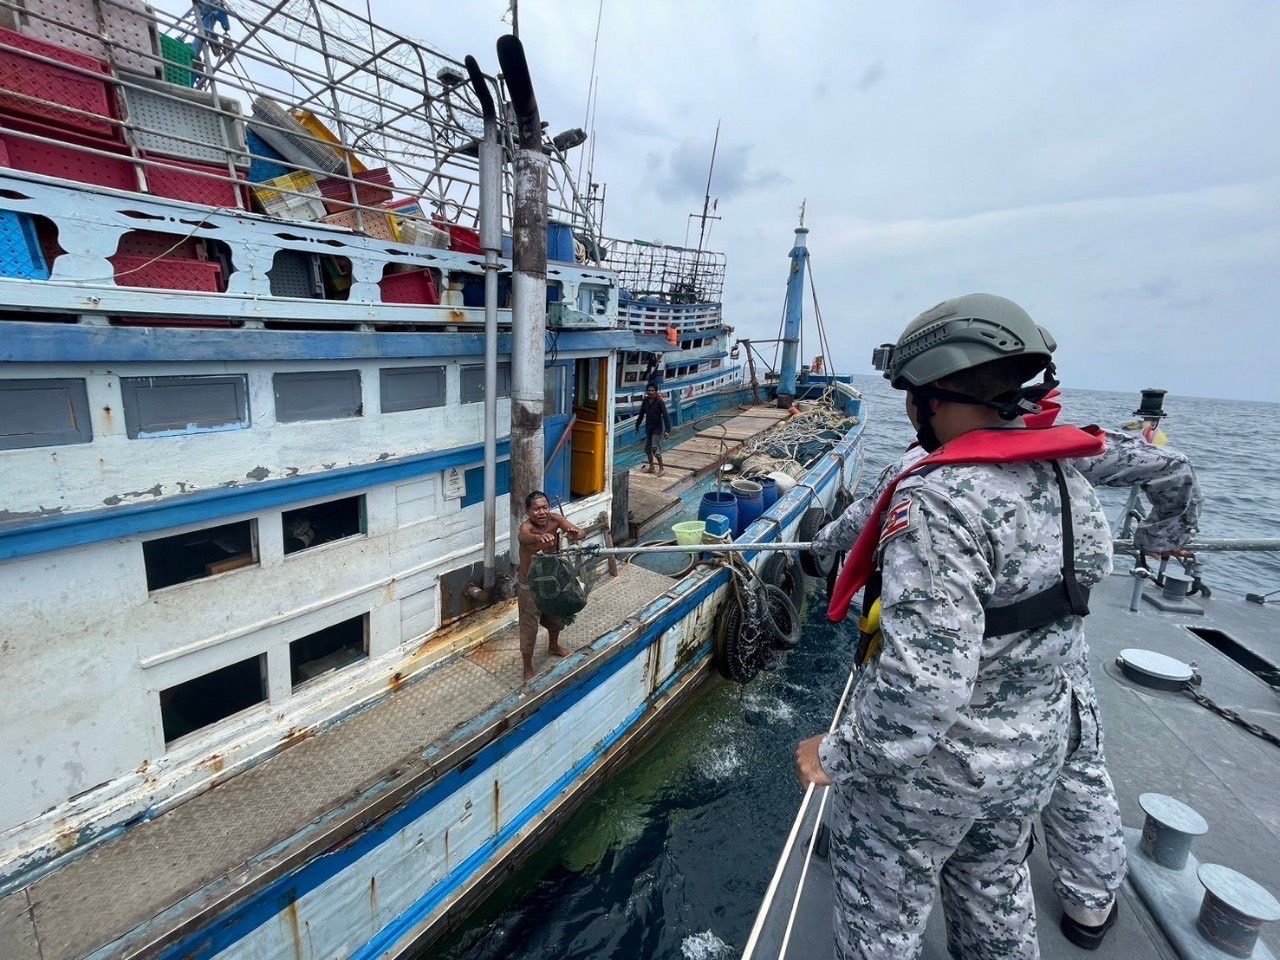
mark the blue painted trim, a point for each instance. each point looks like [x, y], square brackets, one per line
[58, 533]
[26, 342]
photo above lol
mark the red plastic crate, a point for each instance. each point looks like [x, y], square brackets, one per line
[461, 239]
[166, 273]
[151, 243]
[70, 159]
[181, 180]
[52, 86]
[416, 286]
[373, 190]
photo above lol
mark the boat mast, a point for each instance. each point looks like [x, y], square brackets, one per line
[794, 313]
[706, 212]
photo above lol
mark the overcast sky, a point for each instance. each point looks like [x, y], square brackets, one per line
[1115, 168]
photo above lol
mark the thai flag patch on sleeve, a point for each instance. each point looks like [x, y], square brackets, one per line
[896, 521]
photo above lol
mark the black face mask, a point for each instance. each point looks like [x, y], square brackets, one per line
[1010, 406]
[925, 434]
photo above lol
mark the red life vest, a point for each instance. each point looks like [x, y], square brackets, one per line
[1010, 445]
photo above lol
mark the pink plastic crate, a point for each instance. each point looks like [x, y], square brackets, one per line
[166, 273]
[376, 225]
[373, 190]
[53, 86]
[195, 183]
[416, 286]
[71, 160]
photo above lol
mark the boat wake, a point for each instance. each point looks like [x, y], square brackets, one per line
[704, 946]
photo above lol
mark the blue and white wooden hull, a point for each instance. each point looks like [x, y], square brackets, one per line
[396, 870]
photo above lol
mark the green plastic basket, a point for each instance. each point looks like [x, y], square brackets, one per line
[178, 58]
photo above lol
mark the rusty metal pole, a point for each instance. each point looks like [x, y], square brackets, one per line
[528, 285]
[491, 241]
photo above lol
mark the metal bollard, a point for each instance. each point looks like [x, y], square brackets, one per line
[1233, 910]
[1170, 828]
[1175, 587]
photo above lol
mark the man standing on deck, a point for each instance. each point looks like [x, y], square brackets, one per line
[540, 533]
[655, 420]
[1084, 841]
[984, 552]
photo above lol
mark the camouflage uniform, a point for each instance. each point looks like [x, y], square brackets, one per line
[1082, 820]
[957, 740]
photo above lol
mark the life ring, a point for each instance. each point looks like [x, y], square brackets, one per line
[740, 643]
[783, 571]
[780, 616]
[811, 524]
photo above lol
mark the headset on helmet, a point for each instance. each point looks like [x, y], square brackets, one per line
[960, 334]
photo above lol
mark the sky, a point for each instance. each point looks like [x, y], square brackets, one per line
[1114, 168]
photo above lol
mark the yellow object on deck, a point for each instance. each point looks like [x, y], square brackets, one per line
[316, 127]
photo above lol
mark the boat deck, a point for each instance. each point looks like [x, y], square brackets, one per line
[1156, 742]
[655, 500]
[226, 842]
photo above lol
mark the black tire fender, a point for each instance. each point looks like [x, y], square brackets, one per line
[784, 571]
[737, 644]
[811, 524]
[780, 617]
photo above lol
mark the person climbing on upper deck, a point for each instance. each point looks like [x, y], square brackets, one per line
[654, 419]
[1084, 840]
[982, 554]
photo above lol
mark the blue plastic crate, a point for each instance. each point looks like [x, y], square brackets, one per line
[261, 170]
[20, 255]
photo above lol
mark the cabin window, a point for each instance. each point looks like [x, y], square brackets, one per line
[317, 395]
[473, 382]
[631, 377]
[319, 523]
[43, 413]
[165, 406]
[411, 388]
[205, 700]
[199, 553]
[554, 402]
[329, 649]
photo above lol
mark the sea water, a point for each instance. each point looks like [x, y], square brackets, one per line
[671, 857]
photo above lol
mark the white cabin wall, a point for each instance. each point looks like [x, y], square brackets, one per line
[115, 470]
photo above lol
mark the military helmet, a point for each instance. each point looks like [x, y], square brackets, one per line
[961, 333]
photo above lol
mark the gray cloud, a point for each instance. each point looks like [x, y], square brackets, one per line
[681, 175]
[871, 76]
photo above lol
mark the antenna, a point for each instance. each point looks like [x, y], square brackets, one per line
[802, 206]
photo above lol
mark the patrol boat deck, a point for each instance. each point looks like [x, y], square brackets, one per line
[1157, 742]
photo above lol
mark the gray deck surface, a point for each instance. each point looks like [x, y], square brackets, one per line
[1156, 742]
[100, 897]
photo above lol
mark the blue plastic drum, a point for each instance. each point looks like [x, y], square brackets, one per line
[723, 503]
[750, 498]
[769, 488]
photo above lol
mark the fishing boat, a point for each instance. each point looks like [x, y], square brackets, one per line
[274, 387]
[674, 294]
[1187, 682]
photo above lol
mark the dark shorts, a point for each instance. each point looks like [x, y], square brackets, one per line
[652, 444]
[531, 618]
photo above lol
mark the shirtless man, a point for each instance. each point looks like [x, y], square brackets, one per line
[540, 533]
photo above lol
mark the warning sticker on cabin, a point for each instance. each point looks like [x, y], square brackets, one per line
[455, 483]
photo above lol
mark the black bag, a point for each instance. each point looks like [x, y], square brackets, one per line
[559, 584]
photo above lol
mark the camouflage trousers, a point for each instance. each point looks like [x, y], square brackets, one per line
[1082, 833]
[888, 859]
